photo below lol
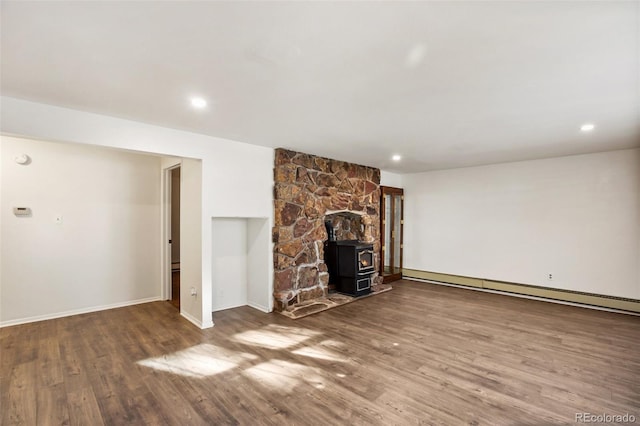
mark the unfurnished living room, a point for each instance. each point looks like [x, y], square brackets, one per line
[320, 212]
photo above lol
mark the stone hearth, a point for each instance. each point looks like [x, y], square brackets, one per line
[309, 190]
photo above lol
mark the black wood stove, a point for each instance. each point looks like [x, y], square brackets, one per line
[350, 265]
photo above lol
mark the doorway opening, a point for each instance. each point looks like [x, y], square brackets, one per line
[173, 215]
[392, 224]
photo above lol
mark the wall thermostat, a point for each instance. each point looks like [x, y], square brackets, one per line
[22, 211]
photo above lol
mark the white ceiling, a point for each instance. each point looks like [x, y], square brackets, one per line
[444, 84]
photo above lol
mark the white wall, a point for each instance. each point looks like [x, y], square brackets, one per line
[103, 253]
[390, 179]
[191, 239]
[237, 178]
[576, 217]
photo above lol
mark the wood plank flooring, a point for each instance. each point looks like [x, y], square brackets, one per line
[420, 354]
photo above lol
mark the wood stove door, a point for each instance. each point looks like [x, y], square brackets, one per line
[392, 224]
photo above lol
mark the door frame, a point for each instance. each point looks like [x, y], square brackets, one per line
[165, 232]
[389, 190]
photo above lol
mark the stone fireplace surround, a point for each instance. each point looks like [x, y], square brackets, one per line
[309, 190]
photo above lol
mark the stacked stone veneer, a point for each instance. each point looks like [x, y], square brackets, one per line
[347, 225]
[308, 188]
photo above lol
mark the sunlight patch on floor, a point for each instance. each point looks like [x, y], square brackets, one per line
[275, 336]
[319, 352]
[284, 376]
[330, 343]
[198, 361]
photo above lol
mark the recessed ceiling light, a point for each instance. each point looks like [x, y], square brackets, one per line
[396, 157]
[587, 127]
[198, 103]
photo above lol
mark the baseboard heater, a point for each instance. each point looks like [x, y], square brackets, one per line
[591, 299]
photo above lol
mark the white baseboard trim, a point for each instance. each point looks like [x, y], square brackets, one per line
[524, 296]
[77, 312]
[259, 307]
[224, 308]
[249, 304]
[193, 320]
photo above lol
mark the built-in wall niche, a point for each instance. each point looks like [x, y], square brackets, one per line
[240, 266]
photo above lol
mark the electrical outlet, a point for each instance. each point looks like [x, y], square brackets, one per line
[58, 220]
[194, 292]
[550, 277]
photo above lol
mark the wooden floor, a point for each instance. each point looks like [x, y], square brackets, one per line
[420, 354]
